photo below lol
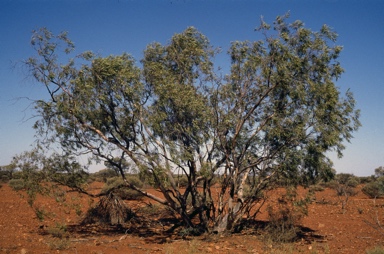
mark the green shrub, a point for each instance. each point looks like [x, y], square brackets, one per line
[4, 176]
[316, 187]
[367, 179]
[17, 184]
[347, 179]
[353, 182]
[374, 189]
[17, 175]
[103, 175]
[182, 181]
[117, 186]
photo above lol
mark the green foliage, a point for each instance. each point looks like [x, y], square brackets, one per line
[317, 187]
[103, 175]
[17, 184]
[367, 179]
[272, 118]
[379, 172]
[348, 180]
[118, 187]
[374, 189]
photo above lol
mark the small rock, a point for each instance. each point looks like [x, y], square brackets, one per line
[23, 251]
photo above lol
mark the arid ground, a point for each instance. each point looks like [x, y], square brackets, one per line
[53, 227]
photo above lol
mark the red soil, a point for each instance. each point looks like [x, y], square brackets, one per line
[330, 229]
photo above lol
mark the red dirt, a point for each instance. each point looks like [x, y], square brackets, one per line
[332, 231]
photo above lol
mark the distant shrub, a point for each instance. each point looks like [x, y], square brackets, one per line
[103, 175]
[4, 179]
[4, 176]
[353, 182]
[367, 179]
[182, 181]
[117, 185]
[16, 184]
[347, 179]
[374, 189]
[316, 187]
[17, 175]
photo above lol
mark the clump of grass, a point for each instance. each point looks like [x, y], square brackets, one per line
[58, 231]
[282, 225]
[59, 244]
[40, 213]
[285, 217]
[110, 209]
[316, 188]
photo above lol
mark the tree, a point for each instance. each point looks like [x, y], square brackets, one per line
[379, 171]
[272, 118]
[6, 172]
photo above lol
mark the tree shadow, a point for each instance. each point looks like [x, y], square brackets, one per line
[163, 230]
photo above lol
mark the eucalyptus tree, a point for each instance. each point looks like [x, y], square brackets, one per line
[273, 117]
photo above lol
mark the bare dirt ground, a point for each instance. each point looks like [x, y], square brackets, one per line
[55, 228]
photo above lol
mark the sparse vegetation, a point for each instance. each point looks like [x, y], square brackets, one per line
[59, 243]
[110, 209]
[374, 189]
[344, 185]
[118, 186]
[58, 231]
[17, 184]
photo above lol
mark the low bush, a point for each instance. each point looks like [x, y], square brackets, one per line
[374, 189]
[282, 224]
[182, 181]
[347, 179]
[17, 184]
[103, 175]
[111, 209]
[316, 188]
[367, 179]
[285, 217]
[118, 187]
[58, 231]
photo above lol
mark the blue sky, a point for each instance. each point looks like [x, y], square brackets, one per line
[117, 26]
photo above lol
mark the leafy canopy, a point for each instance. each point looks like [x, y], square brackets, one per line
[271, 119]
